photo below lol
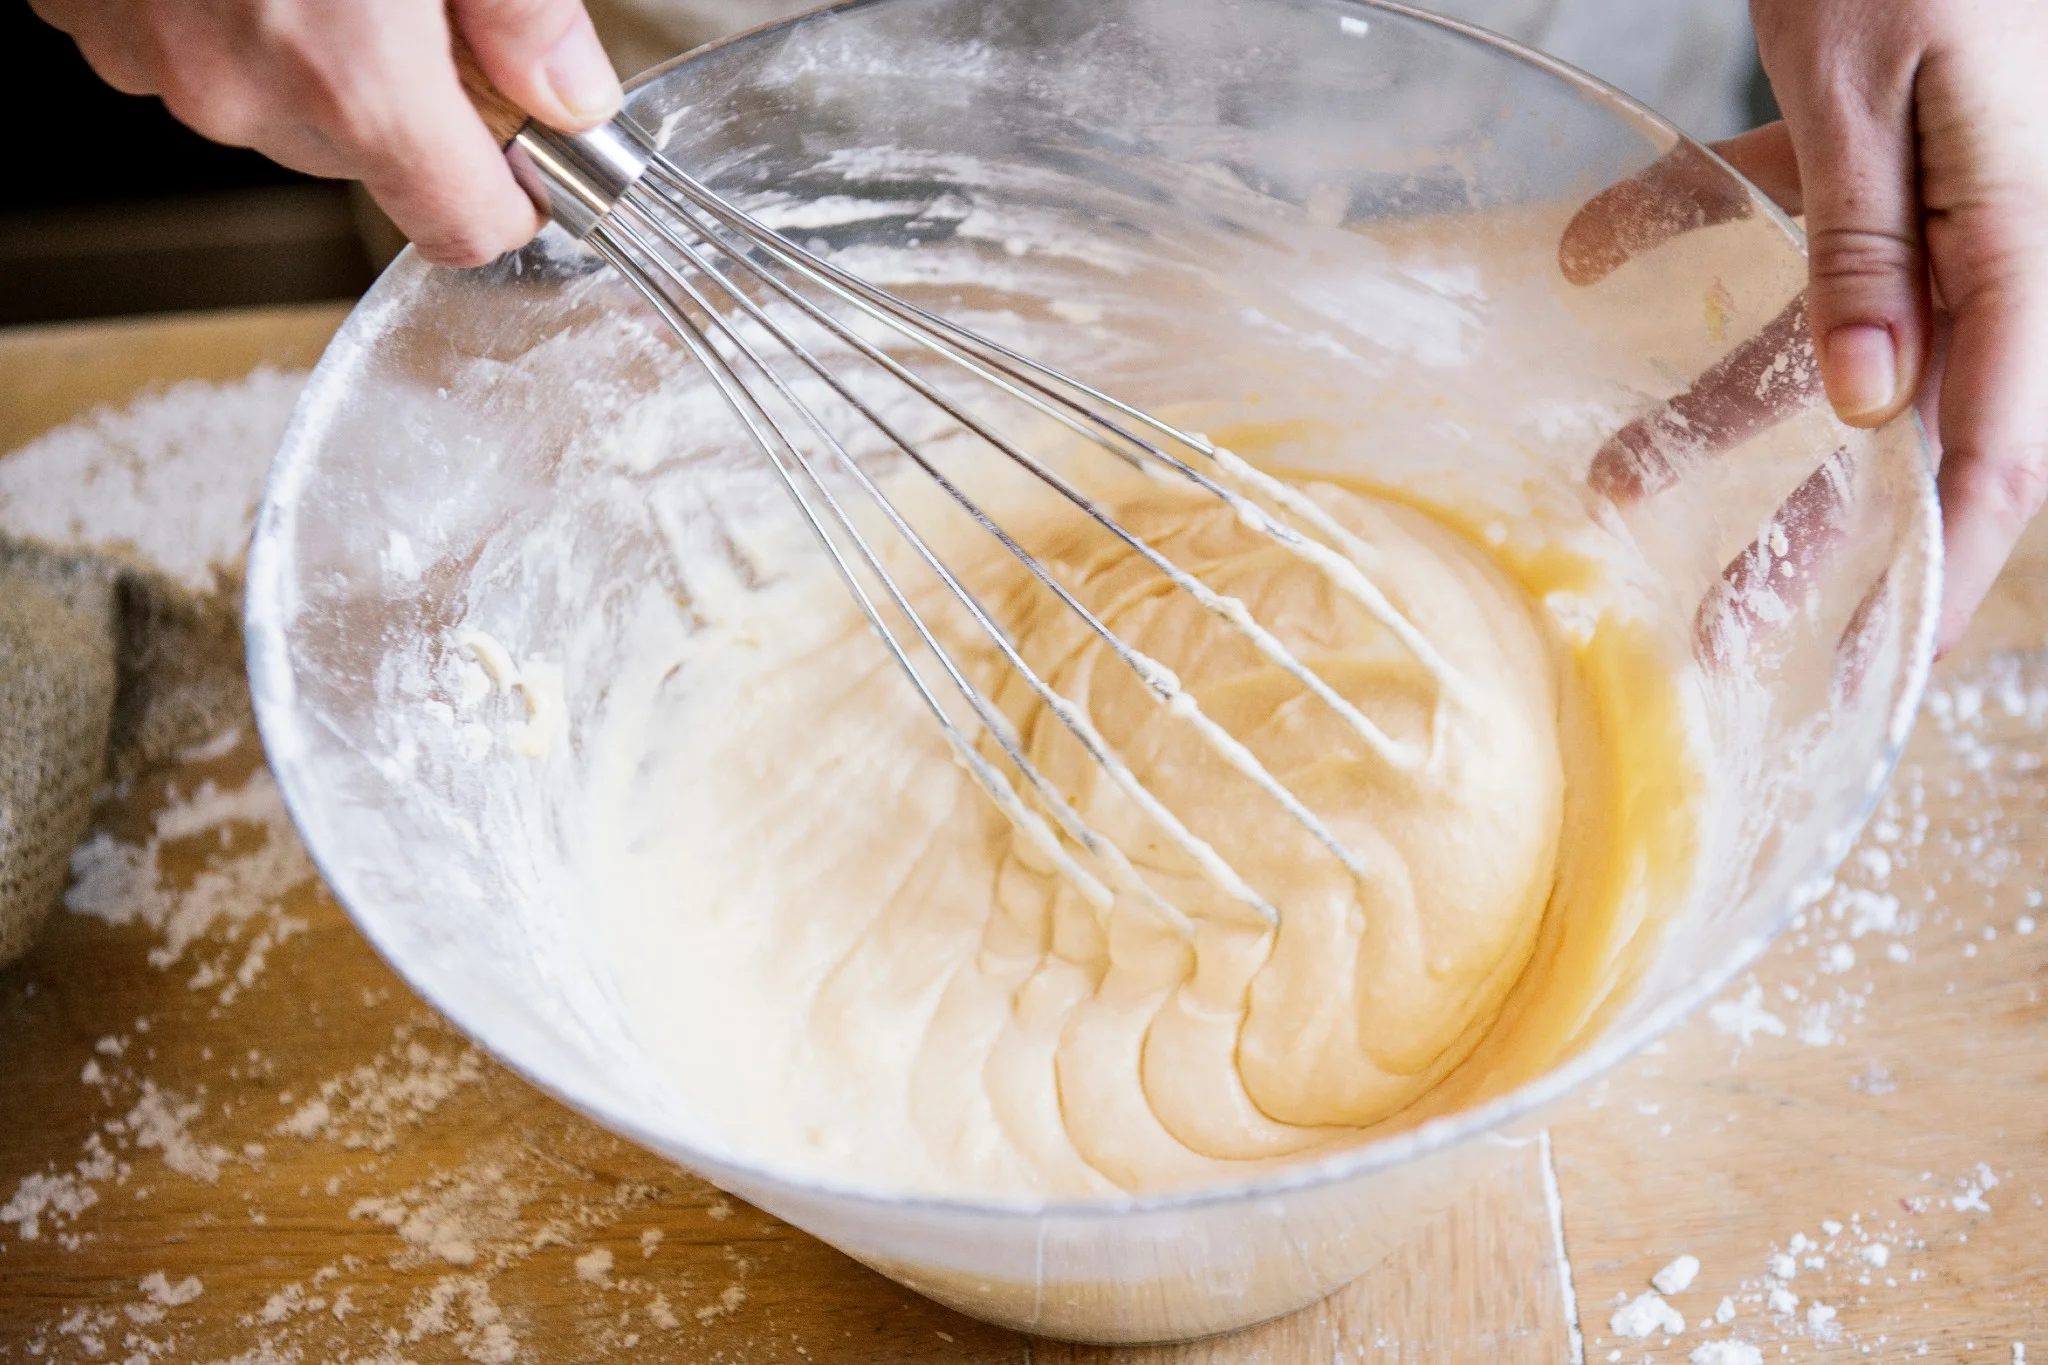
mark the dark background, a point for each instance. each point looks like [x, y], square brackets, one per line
[112, 206]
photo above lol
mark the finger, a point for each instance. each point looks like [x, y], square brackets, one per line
[1856, 650]
[103, 40]
[444, 181]
[1762, 588]
[1760, 383]
[394, 109]
[1982, 128]
[1994, 430]
[544, 56]
[306, 149]
[1767, 160]
[1854, 141]
[1679, 193]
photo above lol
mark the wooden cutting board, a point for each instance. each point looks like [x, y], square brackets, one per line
[237, 1136]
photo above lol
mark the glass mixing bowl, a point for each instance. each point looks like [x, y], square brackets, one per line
[1293, 206]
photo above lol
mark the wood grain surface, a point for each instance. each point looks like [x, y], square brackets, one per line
[237, 1136]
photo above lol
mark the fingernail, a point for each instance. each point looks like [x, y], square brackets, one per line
[581, 75]
[1860, 366]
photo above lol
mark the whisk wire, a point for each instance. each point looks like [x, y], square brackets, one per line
[1229, 609]
[1124, 874]
[672, 237]
[1055, 398]
[1071, 716]
[753, 416]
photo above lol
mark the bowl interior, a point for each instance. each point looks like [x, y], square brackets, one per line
[1321, 211]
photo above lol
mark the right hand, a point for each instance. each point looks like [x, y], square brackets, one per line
[363, 90]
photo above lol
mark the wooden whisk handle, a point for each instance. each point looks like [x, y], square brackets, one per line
[500, 115]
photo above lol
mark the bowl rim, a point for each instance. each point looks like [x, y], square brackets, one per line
[272, 688]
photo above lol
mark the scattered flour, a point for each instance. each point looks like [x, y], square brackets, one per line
[58, 1197]
[1678, 1276]
[1725, 1353]
[730, 1300]
[453, 1218]
[124, 883]
[485, 1337]
[367, 1106]
[1645, 1315]
[105, 482]
[160, 1121]
[1746, 1017]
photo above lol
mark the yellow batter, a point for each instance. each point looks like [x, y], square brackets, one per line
[852, 964]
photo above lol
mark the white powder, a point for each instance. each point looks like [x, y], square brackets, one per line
[1972, 1197]
[1724, 1312]
[1820, 1322]
[456, 1218]
[123, 883]
[40, 1195]
[1646, 1314]
[164, 1294]
[1725, 1353]
[594, 1266]
[1784, 1301]
[1677, 1277]
[1877, 1254]
[486, 1338]
[1746, 1017]
[1783, 1266]
[368, 1105]
[1869, 911]
[730, 1300]
[159, 1121]
[170, 481]
[649, 1240]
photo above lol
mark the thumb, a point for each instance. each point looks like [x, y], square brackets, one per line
[544, 56]
[1868, 297]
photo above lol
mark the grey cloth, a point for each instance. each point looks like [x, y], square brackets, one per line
[106, 671]
[59, 649]
[1690, 60]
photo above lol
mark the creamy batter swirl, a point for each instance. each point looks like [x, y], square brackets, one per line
[850, 962]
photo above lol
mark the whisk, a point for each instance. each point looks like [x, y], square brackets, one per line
[691, 255]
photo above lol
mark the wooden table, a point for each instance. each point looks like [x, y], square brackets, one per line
[288, 1157]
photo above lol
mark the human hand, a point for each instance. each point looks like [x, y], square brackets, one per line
[1917, 147]
[365, 90]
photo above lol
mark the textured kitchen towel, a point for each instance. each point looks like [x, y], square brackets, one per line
[59, 646]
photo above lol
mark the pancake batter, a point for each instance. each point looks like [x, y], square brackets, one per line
[852, 964]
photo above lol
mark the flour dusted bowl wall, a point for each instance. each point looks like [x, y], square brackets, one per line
[1272, 206]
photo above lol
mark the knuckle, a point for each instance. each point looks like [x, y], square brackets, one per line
[461, 244]
[1850, 255]
[209, 111]
[513, 19]
[2019, 485]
